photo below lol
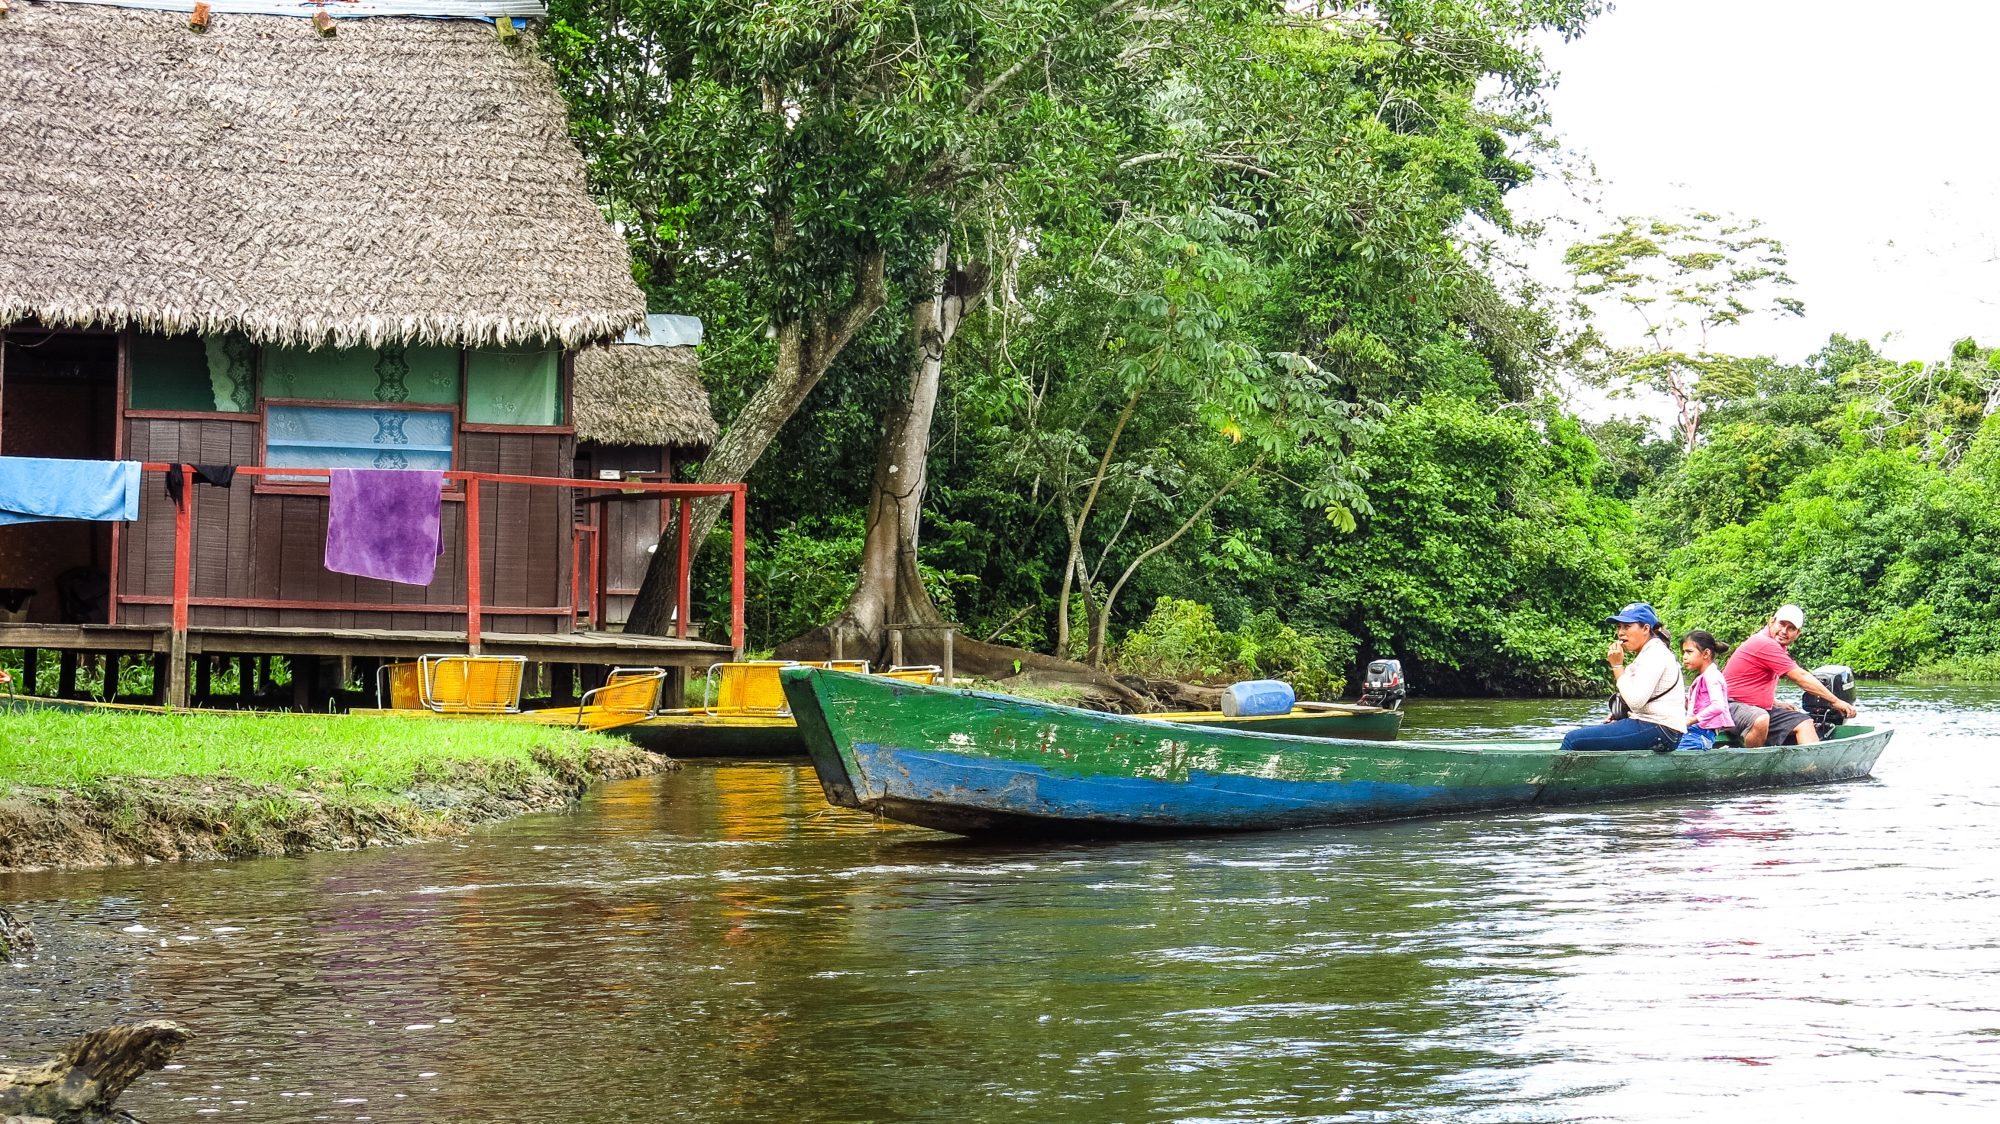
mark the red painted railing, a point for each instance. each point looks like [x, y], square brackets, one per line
[474, 607]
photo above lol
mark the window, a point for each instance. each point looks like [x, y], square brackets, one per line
[392, 375]
[194, 374]
[356, 437]
[513, 386]
[389, 407]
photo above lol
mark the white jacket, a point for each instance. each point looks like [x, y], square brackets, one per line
[1648, 674]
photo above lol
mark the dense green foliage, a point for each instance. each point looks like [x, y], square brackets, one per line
[1246, 394]
[1862, 489]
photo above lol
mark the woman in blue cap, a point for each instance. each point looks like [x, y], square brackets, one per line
[1653, 714]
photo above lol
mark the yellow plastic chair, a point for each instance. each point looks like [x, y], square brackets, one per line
[629, 694]
[926, 673]
[472, 684]
[399, 686]
[751, 687]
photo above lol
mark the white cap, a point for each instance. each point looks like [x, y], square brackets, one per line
[1791, 615]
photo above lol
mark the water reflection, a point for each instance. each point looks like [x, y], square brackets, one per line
[721, 945]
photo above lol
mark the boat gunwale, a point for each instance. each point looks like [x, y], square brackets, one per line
[1551, 745]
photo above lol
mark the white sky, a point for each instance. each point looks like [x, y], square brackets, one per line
[1854, 131]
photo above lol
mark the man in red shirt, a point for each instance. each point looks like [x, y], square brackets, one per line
[1752, 678]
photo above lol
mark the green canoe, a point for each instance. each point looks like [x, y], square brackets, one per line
[977, 763]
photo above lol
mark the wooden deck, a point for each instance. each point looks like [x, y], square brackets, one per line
[590, 649]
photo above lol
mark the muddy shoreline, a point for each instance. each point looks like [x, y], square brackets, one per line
[131, 821]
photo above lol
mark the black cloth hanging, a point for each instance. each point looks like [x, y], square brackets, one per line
[220, 475]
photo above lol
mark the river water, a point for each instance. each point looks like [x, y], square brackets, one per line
[720, 945]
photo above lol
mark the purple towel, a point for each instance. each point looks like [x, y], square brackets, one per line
[383, 523]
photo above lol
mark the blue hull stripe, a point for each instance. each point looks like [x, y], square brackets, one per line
[1204, 800]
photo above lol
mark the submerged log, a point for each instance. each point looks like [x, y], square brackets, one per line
[79, 1085]
[16, 938]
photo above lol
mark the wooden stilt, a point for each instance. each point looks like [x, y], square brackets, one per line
[204, 680]
[177, 669]
[31, 660]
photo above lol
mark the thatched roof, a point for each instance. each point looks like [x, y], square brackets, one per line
[630, 394]
[406, 180]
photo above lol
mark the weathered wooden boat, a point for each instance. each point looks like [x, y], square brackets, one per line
[977, 763]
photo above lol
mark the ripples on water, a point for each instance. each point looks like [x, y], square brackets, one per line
[720, 945]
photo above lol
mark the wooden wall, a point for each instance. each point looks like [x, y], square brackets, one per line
[260, 544]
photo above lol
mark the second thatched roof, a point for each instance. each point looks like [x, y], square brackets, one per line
[634, 394]
[406, 180]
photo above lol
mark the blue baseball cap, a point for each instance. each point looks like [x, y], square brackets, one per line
[1638, 612]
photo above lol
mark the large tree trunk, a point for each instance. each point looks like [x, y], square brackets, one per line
[890, 589]
[806, 348]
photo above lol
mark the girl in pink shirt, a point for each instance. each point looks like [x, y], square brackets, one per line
[1707, 698]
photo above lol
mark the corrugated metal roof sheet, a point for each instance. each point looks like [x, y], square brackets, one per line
[664, 330]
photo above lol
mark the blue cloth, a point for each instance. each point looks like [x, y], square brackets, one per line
[1626, 733]
[1696, 740]
[38, 489]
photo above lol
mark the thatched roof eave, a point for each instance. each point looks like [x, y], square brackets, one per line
[628, 394]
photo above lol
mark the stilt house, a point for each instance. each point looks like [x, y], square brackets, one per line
[284, 241]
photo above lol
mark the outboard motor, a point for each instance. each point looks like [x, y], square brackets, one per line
[1839, 679]
[1383, 686]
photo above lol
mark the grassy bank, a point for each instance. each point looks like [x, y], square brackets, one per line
[90, 789]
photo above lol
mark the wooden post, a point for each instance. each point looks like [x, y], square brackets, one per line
[204, 679]
[177, 639]
[682, 565]
[473, 606]
[839, 644]
[31, 659]
[176, 693]
[949, 679]
[895, 647]
[576, 577]
[600, 570]
[736, 570]
[66, 674]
